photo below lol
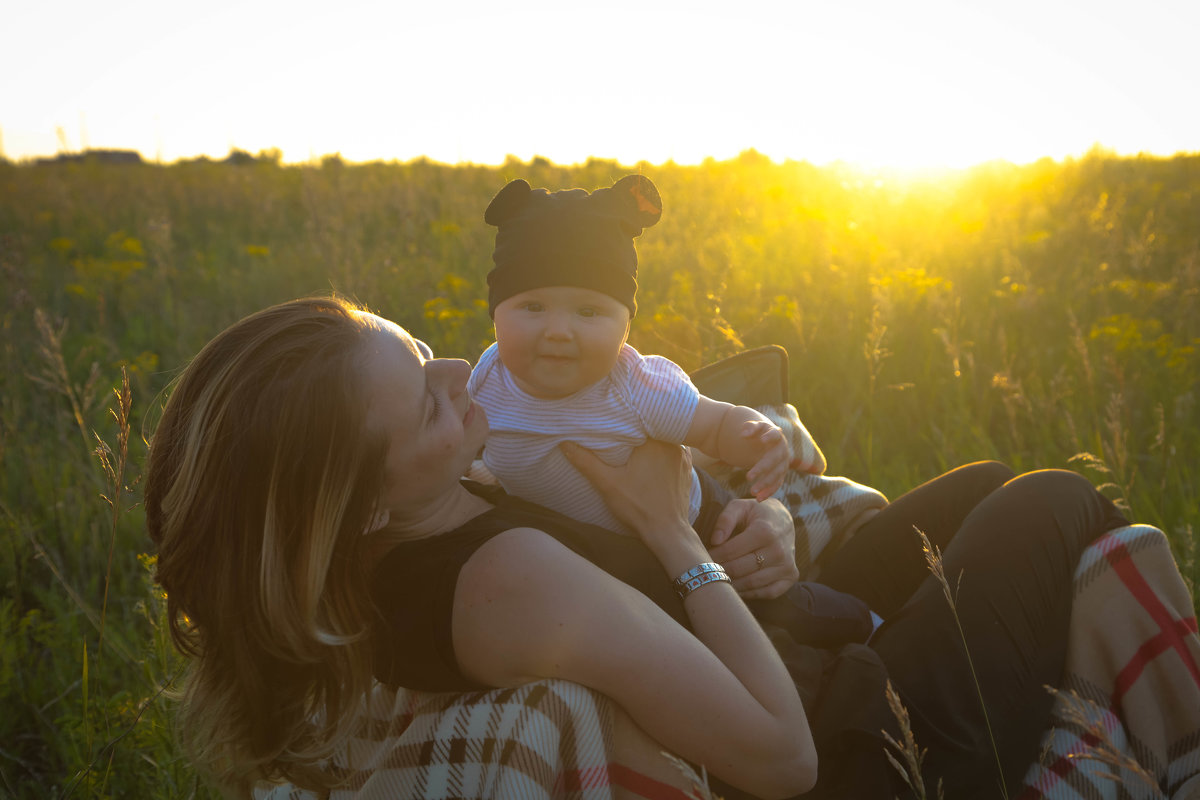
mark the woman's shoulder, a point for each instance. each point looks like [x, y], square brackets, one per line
[524, 544]
[530, 534]
[515, 560]
[417, 585]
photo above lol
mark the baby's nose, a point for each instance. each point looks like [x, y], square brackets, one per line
[558, 325]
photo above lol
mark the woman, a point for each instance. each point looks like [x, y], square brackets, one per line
[295, 432]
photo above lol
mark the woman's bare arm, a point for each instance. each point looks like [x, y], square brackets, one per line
[529, 608]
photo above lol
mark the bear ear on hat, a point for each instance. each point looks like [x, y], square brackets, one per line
[507, 202]
[643, 198]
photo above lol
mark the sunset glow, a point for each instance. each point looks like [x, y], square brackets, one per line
[878, 83]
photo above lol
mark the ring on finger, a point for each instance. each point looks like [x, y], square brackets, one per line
[759, 560]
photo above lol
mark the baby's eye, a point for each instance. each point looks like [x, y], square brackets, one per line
[532, 306]
[588, 311]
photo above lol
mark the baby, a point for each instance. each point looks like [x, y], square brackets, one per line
[562, 294]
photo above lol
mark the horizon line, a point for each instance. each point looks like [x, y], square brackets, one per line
[275, 155]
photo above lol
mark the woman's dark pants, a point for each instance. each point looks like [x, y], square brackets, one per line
[1010, 549]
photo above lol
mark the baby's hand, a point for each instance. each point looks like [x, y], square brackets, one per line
[766, 476]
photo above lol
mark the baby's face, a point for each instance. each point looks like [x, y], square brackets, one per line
[560, 339]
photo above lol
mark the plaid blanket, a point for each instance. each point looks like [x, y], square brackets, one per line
[1126, 721]
[550, 739]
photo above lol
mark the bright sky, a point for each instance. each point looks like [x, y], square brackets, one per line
[879, 82]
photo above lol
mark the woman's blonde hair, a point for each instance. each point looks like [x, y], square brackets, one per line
[262, 476]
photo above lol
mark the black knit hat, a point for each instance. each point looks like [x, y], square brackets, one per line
[570, 238]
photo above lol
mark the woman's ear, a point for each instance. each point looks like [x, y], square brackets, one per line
[507, 202]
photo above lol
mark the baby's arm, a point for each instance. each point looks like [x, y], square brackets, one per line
[742, 437]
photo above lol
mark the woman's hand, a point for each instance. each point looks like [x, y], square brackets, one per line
[756, 543]
[650, 494]
[651, 490]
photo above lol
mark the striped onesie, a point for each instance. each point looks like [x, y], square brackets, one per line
[643, 397]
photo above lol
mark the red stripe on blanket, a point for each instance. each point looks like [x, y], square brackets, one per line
[1053, 773]
[644, 785]
[1172, 631]
[1151, 649]
[577, 780]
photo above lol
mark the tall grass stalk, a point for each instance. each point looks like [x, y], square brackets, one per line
[114, 465]
[876, 353]
[698, 782]
[89, 613]
[87, 709]
[109, 748]
[1187, 558]
[1118, 448]
[1089, 717]
[933, 559]
[82, 605]
[1100, 466]
[55, 377]
[906, 746]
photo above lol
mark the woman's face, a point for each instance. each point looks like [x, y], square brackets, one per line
[422, 406]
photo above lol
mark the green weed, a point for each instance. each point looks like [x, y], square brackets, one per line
[1022, 313]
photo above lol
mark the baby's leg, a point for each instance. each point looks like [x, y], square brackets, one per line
[882, 562]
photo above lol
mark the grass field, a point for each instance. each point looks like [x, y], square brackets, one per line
[1045, 315]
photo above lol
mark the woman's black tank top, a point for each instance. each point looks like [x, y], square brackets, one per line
[413, 586]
